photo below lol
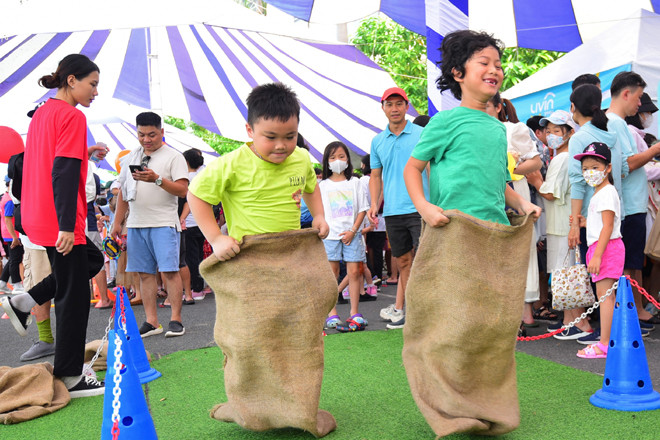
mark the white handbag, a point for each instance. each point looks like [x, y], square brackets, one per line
[571, 285]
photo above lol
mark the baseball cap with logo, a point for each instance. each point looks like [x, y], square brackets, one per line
[596, 149]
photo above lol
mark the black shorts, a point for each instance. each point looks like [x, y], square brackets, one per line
[633, 230]
[403, 232]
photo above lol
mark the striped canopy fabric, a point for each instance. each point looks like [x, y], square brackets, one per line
[203, 73]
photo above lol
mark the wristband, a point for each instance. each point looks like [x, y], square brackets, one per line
[352, 230]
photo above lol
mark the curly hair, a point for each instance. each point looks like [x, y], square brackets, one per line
[456, 49]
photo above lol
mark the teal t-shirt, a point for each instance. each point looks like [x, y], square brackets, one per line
[467, 152]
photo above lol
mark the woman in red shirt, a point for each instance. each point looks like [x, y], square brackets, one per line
[53, 212]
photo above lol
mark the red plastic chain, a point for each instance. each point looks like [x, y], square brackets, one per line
[115, 430]
[543, 336]
[643, 292]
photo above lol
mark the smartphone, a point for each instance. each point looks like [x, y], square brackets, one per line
[136, 168]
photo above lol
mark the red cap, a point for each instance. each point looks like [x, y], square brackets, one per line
[394, 91]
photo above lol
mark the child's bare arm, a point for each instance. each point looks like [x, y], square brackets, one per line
[574, 232]
[603, 239]
[522, 206]
[315, 206]
[412, 175]
[224, 246]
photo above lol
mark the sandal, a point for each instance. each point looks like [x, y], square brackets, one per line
[544, 314]
[352, 326]
[590, 352]
[332, 321]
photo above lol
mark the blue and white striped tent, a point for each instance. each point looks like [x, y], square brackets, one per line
[560, 25]
[203, 73]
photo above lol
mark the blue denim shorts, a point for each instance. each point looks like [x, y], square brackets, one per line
[338, 251]
[151, 250]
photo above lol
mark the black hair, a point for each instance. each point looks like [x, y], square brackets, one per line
[587, 99]
[457, 48]
[366, 161]
[585, 78]
[635, 121]
[422, 120]
[148, 119]
[626, 80]
[535, 123]
[194, 158]
[331, 148]
[508, 111]
[301, 142]
[75, 64]
[272, 101]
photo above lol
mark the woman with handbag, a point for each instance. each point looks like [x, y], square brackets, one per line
[606, 254]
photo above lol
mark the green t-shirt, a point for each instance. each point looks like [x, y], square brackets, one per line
[467, 152]
[256, 195]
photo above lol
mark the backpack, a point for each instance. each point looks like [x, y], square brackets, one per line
[15, 172]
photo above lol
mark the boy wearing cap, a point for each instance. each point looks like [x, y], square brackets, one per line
[390, 151]
[627, 89]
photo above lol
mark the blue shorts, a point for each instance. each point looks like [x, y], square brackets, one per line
[338, 251]
[150, 250]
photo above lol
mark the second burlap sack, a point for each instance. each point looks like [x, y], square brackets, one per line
[464, 304]
[271, 302]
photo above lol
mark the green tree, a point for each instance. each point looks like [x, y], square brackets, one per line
[519, 63]
[220, 144]
[400, 52]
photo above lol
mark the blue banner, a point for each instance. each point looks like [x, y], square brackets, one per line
[546, 101]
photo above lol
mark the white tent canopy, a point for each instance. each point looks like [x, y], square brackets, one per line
[634, 41]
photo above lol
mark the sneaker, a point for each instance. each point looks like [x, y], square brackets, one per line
[147, 330]
[645, 333]
[198, 296]
[591, 338]
[646, 325]
[345, 294]
[397, 324]
[38, 350]
[18, 288]
[554, 326]
[174, 328]
[375, 280]
[20, 320]
[571, 333]
[4, 288]
[332, 322]
[88, 386]
[372, 291]
[390, 313]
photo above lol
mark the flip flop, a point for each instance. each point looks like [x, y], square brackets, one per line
[188, 302]
[590, 352]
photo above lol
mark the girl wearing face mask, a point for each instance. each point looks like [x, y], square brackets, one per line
[606, 253]
[345, 205]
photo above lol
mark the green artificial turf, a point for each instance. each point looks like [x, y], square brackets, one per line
[365, 389]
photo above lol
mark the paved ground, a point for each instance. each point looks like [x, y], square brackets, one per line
[199, 320]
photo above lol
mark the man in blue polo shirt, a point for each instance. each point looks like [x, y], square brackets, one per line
[390, 151]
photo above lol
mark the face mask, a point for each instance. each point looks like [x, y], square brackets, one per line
[338, 166]
[647, 120]
[594, 177]
[554, 141]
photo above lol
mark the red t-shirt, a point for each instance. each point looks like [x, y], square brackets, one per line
[57, 129]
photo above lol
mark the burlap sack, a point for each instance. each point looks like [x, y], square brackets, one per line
[464, 305]
[271, 303]
[30, 391]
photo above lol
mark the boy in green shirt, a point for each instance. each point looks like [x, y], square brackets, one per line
[259, 183]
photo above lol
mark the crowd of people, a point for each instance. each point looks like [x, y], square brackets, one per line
[588, 178]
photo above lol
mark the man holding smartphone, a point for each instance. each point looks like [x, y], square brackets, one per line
[151, 190]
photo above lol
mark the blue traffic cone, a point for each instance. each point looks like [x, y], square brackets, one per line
[135, 344]
[627, 383]
[135, 421]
